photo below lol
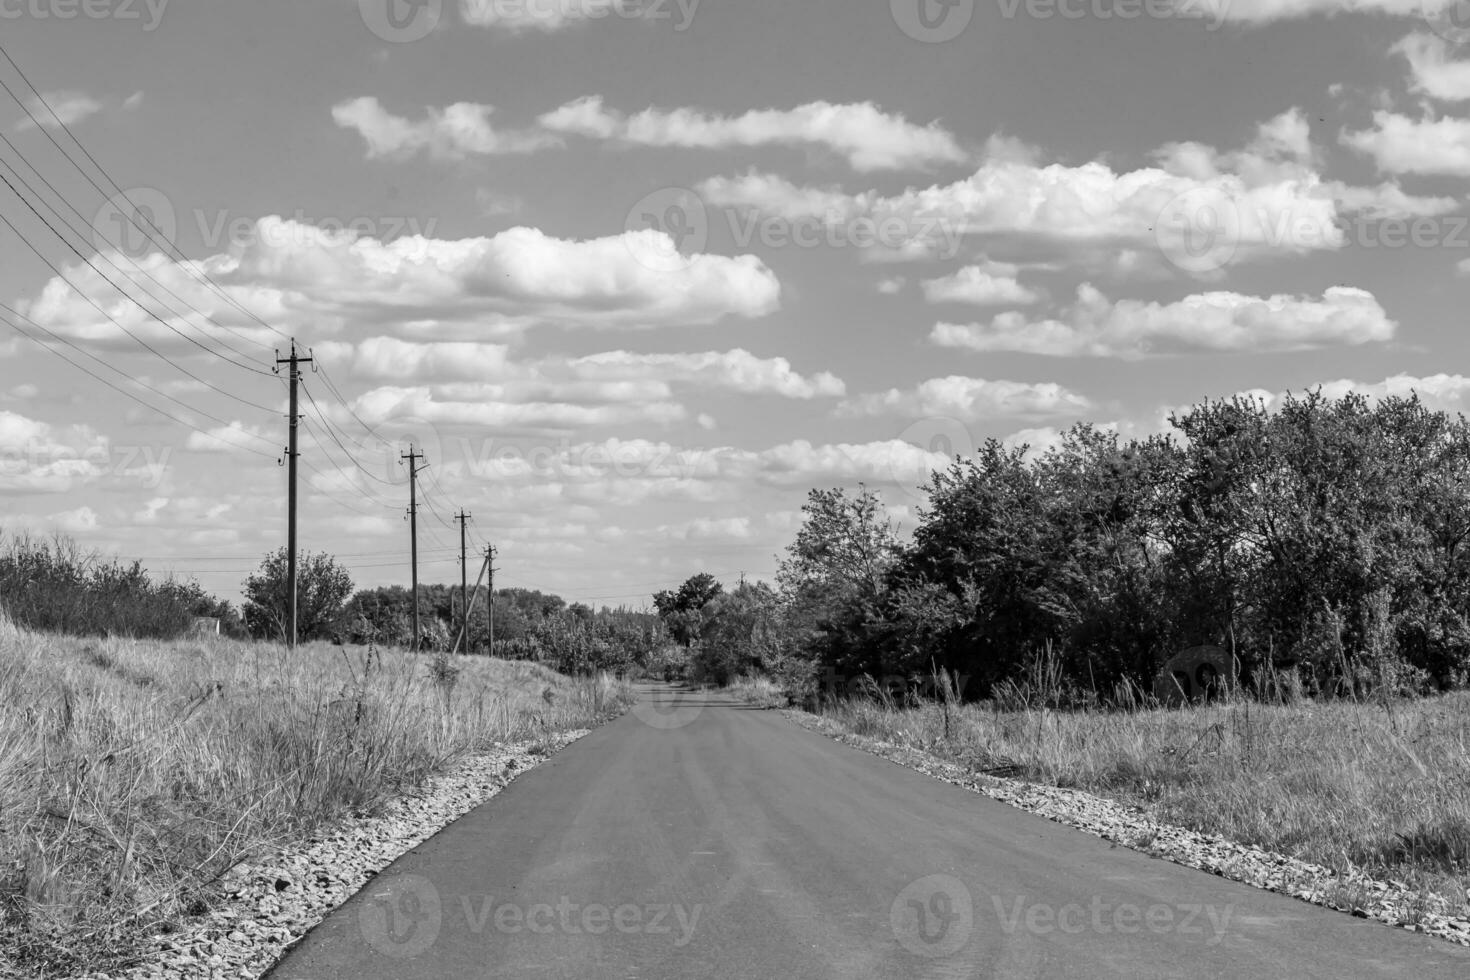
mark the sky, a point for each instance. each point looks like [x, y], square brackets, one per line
[636, 275]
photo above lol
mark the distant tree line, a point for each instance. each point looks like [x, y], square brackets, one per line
[1324, 543]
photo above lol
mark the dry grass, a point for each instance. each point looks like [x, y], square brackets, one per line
[760, 691]
[1383, 788]
[133, 773]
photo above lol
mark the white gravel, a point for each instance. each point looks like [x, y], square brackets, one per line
[1355, 893]
[266, 906]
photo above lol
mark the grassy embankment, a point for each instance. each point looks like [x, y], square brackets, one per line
[1381, 787]
[133, 773]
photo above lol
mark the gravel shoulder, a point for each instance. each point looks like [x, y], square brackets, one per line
[262, 908]
[1128, 826]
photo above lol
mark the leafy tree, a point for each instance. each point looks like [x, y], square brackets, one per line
[322, 586]
[680, 609]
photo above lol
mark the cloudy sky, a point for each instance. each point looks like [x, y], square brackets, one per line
[636, 275]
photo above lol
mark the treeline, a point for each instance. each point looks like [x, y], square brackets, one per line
[529, 625]
[1325, 543]
[52, 585]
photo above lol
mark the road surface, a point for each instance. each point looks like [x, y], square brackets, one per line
[698, 837]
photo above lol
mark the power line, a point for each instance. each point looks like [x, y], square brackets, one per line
[171, 249]
[175, 418]
[126, 295]
[121, 252]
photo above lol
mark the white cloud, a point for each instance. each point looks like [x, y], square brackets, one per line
[869, 138]
[1267, 11]
[1272, 186]
[1400, 145]
[1216, 321]
[1433, 71]
[38, 457]
[987, 284]
[69, 107]
[969, 399]
[525, 16]
[736, 370]
[80, 520]
[708, 529]
[452, 133]
[312, 281]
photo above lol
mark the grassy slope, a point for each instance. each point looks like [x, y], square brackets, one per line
[1384, 788]
[133, 773]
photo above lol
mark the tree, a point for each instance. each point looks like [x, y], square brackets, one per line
[680, 610]
[322, 586]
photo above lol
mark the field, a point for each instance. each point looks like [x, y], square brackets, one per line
[133, 773]
[1383, 787]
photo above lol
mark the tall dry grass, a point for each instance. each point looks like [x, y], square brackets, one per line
[1382, 787]
[133, 773]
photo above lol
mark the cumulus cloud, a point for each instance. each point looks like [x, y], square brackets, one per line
[70, 108]
[1399, 144]
[1216, 321]
[734, 370]
[452, 133]
[1272, 188]
[38, 457]
[869, 138]
[1268, 11]
[986, 284]
[969, 399]
[1431, 68]
[304, 278]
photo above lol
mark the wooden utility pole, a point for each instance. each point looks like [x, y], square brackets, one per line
[413, 534]
[464, 595]
[291, 455]
[490, 594]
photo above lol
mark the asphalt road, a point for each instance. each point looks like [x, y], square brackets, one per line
[701, 838]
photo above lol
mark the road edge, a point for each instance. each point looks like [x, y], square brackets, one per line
[1127, 826]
